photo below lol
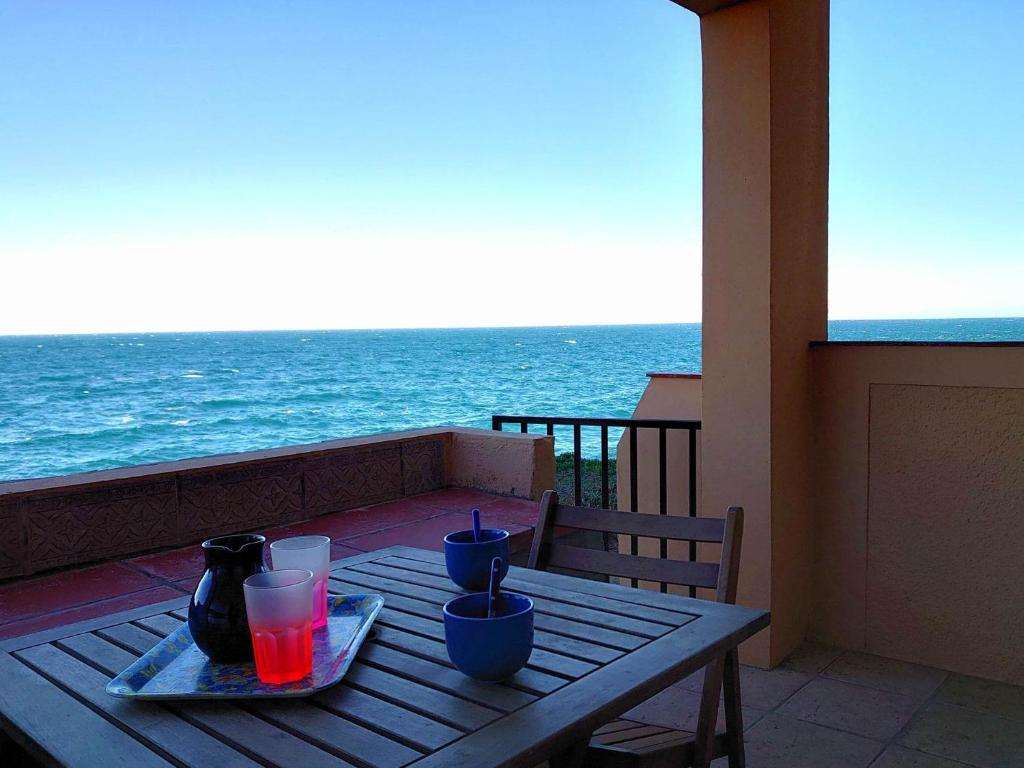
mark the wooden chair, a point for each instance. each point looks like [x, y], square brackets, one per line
[628, 744]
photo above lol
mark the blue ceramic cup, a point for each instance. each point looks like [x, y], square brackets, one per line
[489, 649]
[469, 562]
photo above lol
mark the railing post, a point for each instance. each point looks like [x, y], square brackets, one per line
[633, 504]
[604, 467]
[692, 500]
[577, 470]
[663, 489]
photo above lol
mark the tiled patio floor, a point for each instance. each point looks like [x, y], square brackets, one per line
[826, 708]
[33, 604]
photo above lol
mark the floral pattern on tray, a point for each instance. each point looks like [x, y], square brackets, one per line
[177, 669]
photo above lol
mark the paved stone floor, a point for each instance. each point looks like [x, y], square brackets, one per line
[826, 708]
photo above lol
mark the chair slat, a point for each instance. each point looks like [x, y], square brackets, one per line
[703, 529]
[640, 730]
[633, 566]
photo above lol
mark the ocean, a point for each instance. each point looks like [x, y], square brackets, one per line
[79, 403]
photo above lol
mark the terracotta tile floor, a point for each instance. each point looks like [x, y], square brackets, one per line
[37, 603]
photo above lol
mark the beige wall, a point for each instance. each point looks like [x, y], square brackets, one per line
[666, 397]
[509, 463]
[765, 81]
[921, 504]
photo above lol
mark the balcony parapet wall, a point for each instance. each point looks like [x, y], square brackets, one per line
[919, 487]
[54, 522]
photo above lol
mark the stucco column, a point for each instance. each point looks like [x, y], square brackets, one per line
[765, 292]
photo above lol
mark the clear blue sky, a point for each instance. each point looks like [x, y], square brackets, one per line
[183, 165]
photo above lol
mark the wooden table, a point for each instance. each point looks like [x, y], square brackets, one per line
[600, 649]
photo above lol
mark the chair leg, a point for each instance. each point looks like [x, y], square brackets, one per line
[704, 743]
[733, 711]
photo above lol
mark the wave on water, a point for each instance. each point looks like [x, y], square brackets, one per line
[225, 402]
[72, 403]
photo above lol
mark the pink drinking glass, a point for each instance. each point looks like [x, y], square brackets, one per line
[313, 553]
[279, 605]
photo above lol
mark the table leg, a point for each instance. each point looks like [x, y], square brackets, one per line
[571, 757]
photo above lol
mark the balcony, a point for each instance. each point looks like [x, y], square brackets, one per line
[846, 703]
[882, 483]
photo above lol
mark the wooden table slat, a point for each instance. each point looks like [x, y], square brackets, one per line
[430, 673]
[161, 624]
[45, 718]
[100, 653]
[396, 721]
[540, 659]
[256, 736]
[326, 729]
[529, 680]
[356, 582]
[399, 722]
[619, 605]
[571, 585]
[444, 707]
[600, 648]
[598, 617]
[563, 645]
[131, 637]
[220, 718]
[375, 582]
[149, 722]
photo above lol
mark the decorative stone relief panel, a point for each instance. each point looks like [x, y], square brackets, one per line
[12, 549]
[353, 477]
[229, 499]
[110, 520]
[422, 466]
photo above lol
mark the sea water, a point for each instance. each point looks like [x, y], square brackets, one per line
[77, 403]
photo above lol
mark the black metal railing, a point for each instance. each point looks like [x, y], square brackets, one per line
[631, 427]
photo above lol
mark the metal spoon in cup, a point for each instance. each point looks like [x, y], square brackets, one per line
[492, 592]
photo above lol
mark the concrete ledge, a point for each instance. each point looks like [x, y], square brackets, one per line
[509, 463]
[896, 343]
[55, 522]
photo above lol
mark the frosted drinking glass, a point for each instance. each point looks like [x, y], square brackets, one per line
[312, 553]
[279, 605]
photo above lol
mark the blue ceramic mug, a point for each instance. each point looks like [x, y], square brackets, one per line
[469, 561]
[489, 649]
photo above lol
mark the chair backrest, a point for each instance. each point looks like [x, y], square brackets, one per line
[721, 576]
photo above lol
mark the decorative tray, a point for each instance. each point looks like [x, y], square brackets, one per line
[177, 669]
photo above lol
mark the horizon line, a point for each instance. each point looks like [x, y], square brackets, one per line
[471, 327]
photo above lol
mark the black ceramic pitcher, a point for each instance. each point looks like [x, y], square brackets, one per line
[216, 613]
